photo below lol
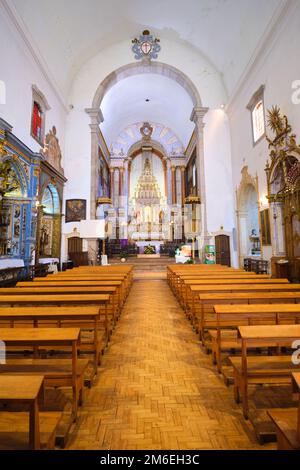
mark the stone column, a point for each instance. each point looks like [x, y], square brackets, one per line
[173, 170]
[121, 182]
[197, 116]
[96, 119]
[112, 179]
[169, 182]
[182, 168]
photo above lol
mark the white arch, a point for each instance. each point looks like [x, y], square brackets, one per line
[140, 68]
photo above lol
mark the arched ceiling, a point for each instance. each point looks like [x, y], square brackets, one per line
[125, 103]
[67, 33]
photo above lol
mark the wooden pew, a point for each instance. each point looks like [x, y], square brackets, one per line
[181, 283]
[91, 277]
[287, 421]
[174, 270]
[230, 317]
[259, 370]
[113, 303]
[217, 274]
[174, 274]
[119, 284]
[87, 317]
[192, 288]
[205, 317]
[48, 337]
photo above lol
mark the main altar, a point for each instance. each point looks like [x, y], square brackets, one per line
[147, 207]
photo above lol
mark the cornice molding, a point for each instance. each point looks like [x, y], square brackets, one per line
[36, 55]
[263, 48]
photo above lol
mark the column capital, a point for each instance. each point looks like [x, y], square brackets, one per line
[173, 168]
[95, 115]
[182, 168]
[198, 114]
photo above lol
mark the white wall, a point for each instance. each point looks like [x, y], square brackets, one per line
[19, 71]
[277, 67]
[218, 176]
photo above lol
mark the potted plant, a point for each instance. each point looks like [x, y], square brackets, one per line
[190, 261]
[123, 256]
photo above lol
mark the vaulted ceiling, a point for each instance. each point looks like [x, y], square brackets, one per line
[69, 32]
[125, 104]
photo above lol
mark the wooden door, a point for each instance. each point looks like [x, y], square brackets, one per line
[74, 245]
[222, 243]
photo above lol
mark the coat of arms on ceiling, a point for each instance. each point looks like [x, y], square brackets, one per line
[52, 150]
[146, 130]
[145, 47]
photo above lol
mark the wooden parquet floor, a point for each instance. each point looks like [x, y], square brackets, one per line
[155, 388]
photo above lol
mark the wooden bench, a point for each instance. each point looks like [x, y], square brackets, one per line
[205, 316]
[181, 285]
[120, 286]
[174, 273]
[262, 369]
[287, 421]
[112, 304]
[125, 286]
[232, 316]
[48, 337]
[192, 288]
[87, 317]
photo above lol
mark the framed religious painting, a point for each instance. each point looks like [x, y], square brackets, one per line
[75, 210]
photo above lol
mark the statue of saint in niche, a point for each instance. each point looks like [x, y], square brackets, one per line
[44, 240]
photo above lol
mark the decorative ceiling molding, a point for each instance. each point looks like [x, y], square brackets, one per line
[165, 136]
[28, 41]
[265, 45]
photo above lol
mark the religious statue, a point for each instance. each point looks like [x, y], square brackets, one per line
[52, 149]
[44, 239]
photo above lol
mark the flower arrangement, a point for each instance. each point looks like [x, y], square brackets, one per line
[190, 261]
[149, 250]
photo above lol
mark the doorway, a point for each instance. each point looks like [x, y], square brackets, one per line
[222, 243]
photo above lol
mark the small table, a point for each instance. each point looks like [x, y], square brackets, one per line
[25, 391]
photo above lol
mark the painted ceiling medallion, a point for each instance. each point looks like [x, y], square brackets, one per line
[146, 47]
[146, 131]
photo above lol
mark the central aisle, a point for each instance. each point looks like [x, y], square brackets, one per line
[156, 389]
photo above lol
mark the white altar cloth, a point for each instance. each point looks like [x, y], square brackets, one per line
[181, 259]
[48, 260]
[53, 262]
[11, 263]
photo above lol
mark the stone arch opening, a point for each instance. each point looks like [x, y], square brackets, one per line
[248, 217]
